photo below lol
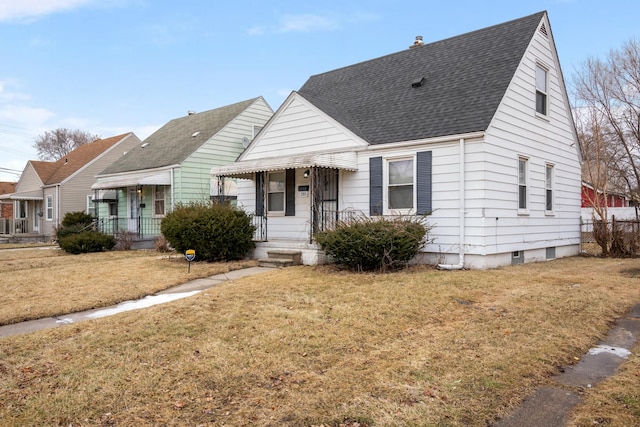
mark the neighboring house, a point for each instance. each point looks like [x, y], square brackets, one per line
[6, 206]
[172, 166]
[613, 199]
[475, 130]
[46, 191]
[612, 204]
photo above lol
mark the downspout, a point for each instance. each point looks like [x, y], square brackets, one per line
[461, 202]
[172, 187]
[58, 222]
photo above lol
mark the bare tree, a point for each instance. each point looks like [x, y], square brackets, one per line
[608, 105]
[607, 115]
[55, 144]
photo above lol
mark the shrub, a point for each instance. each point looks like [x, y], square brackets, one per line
[76, 218]
[365, 244]
[76, 236]
[62, 232]
[161, 244]
[217, 232]
[87, 241]
[125, 240]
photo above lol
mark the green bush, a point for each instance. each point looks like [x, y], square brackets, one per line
[365, 243]
[87, 241]
[76, 218]
[217, 232]
[69, 230]
[76, 235]
[73, 223]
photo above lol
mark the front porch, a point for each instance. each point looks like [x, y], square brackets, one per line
[20, 230]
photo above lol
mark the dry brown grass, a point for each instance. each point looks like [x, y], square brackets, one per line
[36, 283]
[311, 346]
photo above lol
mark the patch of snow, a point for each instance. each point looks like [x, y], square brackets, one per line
[142, 303]
[618, 351]
[64, 321]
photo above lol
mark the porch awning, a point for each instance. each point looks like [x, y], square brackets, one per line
[132, 180]
[244, 168]
[24, 195]
[106, 196]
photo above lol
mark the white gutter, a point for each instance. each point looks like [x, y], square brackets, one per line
[461, 238]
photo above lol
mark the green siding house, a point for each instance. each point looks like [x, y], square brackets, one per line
[172, 166]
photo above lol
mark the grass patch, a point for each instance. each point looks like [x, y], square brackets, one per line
[40, 283]
[316, 347]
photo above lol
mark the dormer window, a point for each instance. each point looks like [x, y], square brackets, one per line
[541, 90]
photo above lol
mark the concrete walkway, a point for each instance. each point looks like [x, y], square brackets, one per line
[550, 406]
[171, 294]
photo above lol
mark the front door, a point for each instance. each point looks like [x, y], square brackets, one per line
[325, 198]
[134, 204]
[37, 215]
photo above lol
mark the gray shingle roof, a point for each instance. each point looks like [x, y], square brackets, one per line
[465, 78]
[175, 141]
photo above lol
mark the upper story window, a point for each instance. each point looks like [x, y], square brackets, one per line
[275, 192]
[549, 188]
[400, 194]
[158, 200]
[522, 183]
[541, 90]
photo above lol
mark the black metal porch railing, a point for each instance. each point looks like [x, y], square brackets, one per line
[142, 227]
[260, 234]
[326, 220]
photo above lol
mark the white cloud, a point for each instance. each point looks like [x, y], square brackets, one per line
[302, 23]
[258, 30]
[28, 10]
[8, 96]
[306, 23]
[35, 118]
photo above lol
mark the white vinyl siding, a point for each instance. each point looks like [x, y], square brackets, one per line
[301, 128]
[514, 132]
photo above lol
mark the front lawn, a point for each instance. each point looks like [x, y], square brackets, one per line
[36, 283]
[311, 346]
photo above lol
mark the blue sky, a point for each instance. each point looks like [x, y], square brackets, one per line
[114, 66]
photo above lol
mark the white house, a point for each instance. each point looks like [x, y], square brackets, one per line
[475, 130]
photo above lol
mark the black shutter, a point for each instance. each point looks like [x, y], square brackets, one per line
[375, 186]
[290, 192]
[259, 193]
[423, 181]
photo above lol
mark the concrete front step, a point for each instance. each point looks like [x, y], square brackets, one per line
[278, 258]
